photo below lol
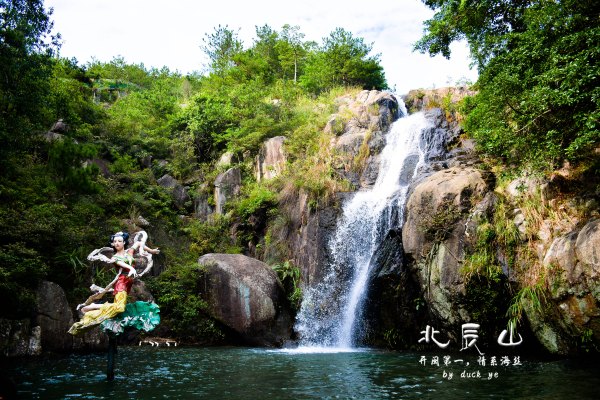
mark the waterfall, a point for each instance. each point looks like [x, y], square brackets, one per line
[328, 316]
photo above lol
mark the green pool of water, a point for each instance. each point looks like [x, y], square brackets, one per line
[250, 373]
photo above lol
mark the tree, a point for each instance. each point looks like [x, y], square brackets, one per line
[265, 49]
[343, 60]
[291, 48]
[482, 23]
[221, 47]
[26, 49]
[539, 64]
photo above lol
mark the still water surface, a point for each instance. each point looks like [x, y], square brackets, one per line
[247, 373]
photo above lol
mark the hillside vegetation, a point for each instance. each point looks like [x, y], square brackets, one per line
[84, 145]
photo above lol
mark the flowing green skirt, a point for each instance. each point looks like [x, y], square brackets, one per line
[141, 315]
[116, 316]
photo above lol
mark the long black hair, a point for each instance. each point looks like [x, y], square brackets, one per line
[125, 237]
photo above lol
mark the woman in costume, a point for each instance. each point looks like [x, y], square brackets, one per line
[94, 313]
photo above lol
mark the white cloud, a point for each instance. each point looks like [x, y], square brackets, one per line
[159, 33]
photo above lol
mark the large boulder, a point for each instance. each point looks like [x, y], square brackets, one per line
[271, 159]
[54, 317]
[227, 186]
[307, 237]
[587, 248]
[444, 191]
[47, 330]
[245, 295]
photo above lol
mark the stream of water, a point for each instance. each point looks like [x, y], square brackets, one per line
[330, 315]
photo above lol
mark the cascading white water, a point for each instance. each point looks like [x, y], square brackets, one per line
[328, 315]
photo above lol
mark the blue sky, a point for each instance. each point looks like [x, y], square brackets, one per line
[161, 33]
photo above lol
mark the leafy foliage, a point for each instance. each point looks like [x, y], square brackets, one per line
[65, 157]
[539, 75]
[20, 271]
[343, 60]
[178, 291]
[213, 236]
[24, 72]
[221, 47]
[124, 126]
[289, 275]
[438, 226]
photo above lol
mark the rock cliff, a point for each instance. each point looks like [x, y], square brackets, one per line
[476, 249]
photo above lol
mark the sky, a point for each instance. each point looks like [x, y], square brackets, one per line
[169, 33]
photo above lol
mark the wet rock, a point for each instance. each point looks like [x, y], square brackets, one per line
[308, 236]
[388, 257]
[408, 169]
[370, 173]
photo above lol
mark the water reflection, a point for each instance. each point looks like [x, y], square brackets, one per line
[242, 373]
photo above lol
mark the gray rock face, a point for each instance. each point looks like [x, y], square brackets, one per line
[418, 100]
[178, 191]
[455, 186]
[59, 127]
[408, 168]
[54, 317]
[101, 164]
[227, 186]
[47, 330]
[587, 248]
[372, 111]
[438, 263]
[246, 295]
[271, 159]
[370, 173]
[574, 283]
[225, 159]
